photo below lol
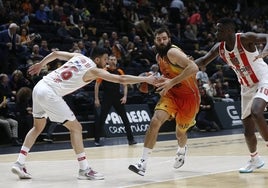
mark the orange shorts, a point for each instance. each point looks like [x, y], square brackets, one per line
[182, 107]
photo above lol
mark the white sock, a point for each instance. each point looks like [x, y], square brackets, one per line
[22, 155]
[254, 154]
[145, 154]
[82, 160]
[181, 150]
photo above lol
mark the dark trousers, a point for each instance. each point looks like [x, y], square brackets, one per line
[106, 105]
[202, 120]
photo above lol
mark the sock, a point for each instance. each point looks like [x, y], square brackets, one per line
[145, 154]
[181, 150]
[254, 154]
[82, 160]
[22, 155]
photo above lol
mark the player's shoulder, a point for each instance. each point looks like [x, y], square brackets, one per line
[175, 52]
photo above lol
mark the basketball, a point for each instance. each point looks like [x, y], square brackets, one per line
[145, 87]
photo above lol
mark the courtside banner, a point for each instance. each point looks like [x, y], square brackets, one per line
[229, 114]
[138, 115]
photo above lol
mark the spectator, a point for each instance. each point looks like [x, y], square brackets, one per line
[41, 15]
[6, 121]
[24, 110]
[8, 42]
[35, 55]
[44, 50]
[176, 9]
[102, 39]
[155, 70]
[143, 27]
[221, 93]
[64, 33]
[210, 88]
[202, 75]
[18, 81]
[206, 112]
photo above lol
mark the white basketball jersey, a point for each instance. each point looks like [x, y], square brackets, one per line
[249, 72]
[69, 77]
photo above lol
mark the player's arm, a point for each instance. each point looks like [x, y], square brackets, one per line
[257, 38]
[178, 57]
[94, 73]
[61, 55]
[96, 93]
[209, 57]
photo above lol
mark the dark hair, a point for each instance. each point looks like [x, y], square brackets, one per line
[162, 30]
[98, 52]
[228, 22]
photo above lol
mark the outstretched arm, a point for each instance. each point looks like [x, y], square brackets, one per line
[210, 56]
[65, 56]
[94, 73]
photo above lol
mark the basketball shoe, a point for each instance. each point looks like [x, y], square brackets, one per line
[252, 164]
[179, 159]
[138, 168]
[89, 174]
[21, 171]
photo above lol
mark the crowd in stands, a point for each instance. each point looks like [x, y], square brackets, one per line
[31, 29]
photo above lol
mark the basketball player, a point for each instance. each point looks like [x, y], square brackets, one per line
[239, 51]
[78, 71]
[179, 98]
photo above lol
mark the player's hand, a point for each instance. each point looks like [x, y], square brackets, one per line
[261, 55]
[152, 79]
[163, 85]
[35, 69]
[123, 100]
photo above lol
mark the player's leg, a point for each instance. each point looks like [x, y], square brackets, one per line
[251, 141]
[182, 148]
[185, 119]
[18, 167]
[257, 112]
[253, 105]
[85, 171]
[159, 117]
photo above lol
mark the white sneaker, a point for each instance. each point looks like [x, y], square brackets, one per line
[179, 159]
[138, 168]
[21, 171]
[253, 164]
[89, 174]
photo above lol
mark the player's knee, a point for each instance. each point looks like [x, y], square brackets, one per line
[75, 128]
[156, 122]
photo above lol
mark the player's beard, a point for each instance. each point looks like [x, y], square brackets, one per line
[162, 49]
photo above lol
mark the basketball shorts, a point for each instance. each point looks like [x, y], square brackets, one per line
[183, 108]
[46, 103]
[259, 90]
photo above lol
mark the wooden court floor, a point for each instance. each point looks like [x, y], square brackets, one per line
[211, 162]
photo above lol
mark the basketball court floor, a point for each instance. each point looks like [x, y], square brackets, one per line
[212, 160]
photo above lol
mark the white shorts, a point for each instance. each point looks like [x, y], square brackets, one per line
[46, 103]
[259, 90]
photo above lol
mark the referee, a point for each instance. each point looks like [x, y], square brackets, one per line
[111, 97]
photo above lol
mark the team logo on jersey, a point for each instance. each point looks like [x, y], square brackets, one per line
[234, 61]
